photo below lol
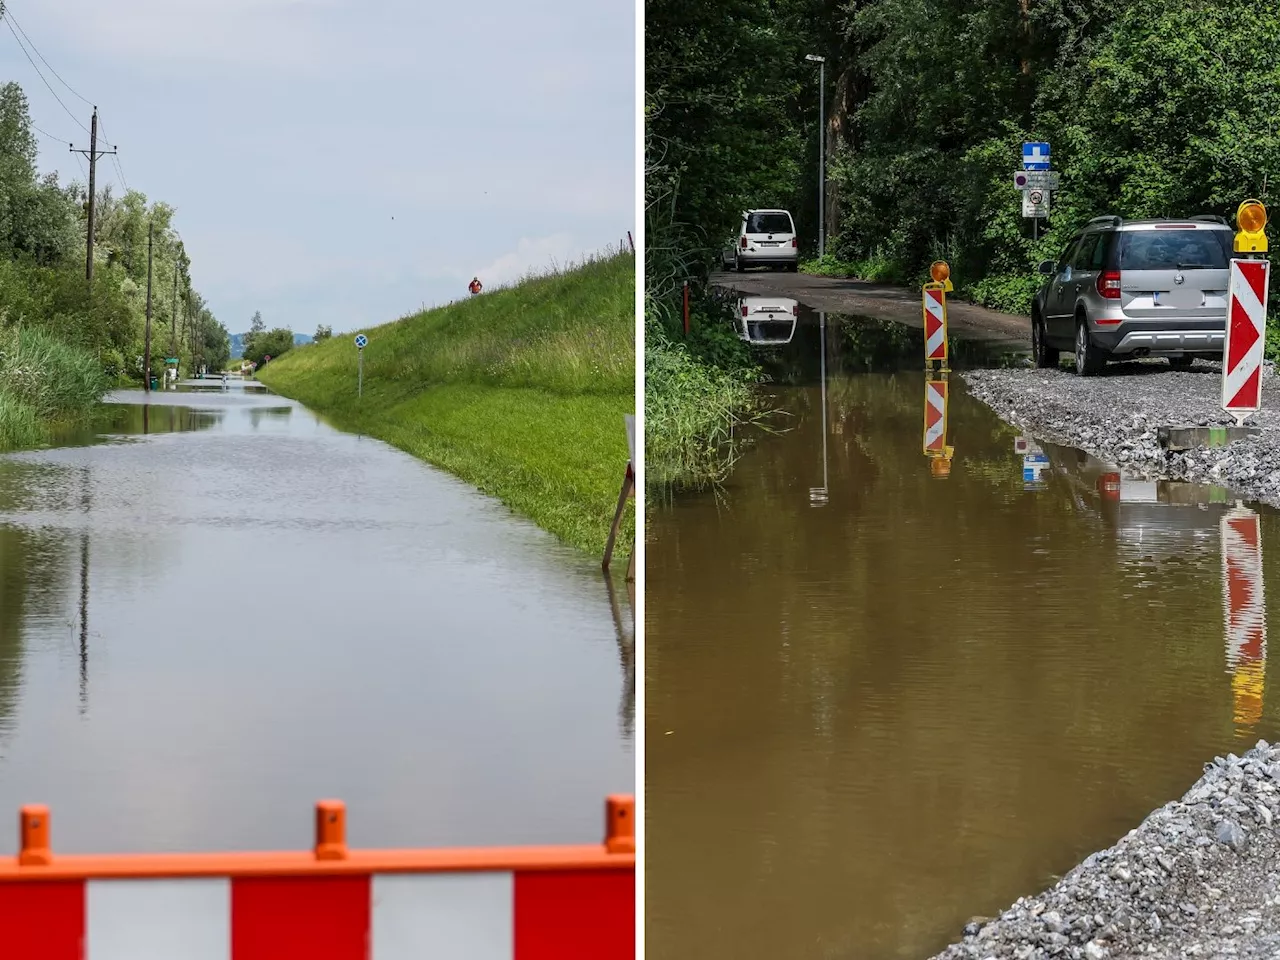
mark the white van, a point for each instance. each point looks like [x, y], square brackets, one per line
[767, 238]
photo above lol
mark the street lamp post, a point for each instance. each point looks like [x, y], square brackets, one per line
[822, 149]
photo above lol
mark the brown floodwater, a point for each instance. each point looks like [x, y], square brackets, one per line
[874, 716]
[215, 609]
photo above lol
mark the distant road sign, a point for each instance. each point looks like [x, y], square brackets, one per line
[1035, 203]
[1036, 179]
[1035, 156]
[361, 341]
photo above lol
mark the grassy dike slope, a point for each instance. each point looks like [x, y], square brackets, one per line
[520, 392]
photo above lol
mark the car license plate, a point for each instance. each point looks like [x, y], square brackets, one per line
[1178, 298]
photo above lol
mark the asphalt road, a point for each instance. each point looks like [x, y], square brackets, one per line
[858, 298]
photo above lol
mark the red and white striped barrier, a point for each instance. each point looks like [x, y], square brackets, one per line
[1246, 333]
[537, 903]
[935, 322]
[1244, 611]
[935, 417]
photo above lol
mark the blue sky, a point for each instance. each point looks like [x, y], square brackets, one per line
[346, 161]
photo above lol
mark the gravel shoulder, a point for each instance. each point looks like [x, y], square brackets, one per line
[1200, 877]
[1115, 417]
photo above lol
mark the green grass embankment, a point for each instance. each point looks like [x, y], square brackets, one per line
[44, 383]
[520, 392]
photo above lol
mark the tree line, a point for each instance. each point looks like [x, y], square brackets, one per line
[43, 234]
[1152, 109]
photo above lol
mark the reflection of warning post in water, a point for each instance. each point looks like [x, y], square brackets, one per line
[1244, 613]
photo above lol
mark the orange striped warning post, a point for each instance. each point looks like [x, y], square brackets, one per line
[1246, 337]
[329, 903]
[935, 323]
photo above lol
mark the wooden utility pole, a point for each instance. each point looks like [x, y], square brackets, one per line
[146, 343]
[93, 153]
[173, 318]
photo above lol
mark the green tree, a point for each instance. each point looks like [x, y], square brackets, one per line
[275, 343]
[323, 333]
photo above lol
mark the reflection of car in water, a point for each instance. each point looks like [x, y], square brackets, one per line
[767, 320]
[1160, 518]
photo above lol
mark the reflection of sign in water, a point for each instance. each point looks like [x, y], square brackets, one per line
[1033, 464]
[936, 397]
[935, 416]
[1244, 612]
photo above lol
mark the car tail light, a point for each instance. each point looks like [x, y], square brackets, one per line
[1109, 486]
[743, 243]
[795, 309]
[1109, 284]
[744, 309]
[793, 242]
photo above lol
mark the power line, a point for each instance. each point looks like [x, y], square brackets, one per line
[115, 160]
[47, 134]
[9, 24]
[9, 14]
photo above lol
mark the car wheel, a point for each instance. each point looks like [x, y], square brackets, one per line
[1046, 357]
[1182, 363]
[737, 264]
[794, 268]
[1089, 358]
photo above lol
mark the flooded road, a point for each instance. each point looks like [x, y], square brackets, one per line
[224, 610]
[875, 714]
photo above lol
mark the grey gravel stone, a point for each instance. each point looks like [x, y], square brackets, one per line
[1058, 406]
[1192, 880]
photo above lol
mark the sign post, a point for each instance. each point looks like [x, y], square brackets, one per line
[1035, 182]
[628, 489]
[1246, 316]
[361, 342]
[935, 316]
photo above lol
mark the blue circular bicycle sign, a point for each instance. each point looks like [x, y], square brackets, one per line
[361, 341]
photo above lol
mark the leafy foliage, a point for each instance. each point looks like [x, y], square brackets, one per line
[45, 298]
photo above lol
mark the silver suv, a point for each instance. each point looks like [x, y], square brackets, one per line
[1135, 288]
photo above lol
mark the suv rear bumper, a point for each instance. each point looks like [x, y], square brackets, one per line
[1162, 338]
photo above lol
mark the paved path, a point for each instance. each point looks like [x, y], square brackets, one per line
[858, 298]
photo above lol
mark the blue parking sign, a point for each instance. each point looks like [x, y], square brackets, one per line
[1035, 156]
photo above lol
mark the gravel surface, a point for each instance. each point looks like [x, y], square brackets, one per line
[1115, 417]
[1200, 877]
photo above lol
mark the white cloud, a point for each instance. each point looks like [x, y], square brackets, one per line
[531, 256]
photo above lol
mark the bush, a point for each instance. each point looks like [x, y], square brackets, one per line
[52, 380]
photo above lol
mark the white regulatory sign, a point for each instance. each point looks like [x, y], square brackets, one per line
[361, 341]
[1036, 179]
[1035, 203]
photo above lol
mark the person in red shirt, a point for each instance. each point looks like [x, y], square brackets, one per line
[475, 286]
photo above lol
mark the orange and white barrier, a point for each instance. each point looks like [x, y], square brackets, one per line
[1246, 337]
[331, 903]
[1244, 612]
[935, 323]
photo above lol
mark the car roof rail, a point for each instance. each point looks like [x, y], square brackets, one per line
[1109, 218]
[1210, 218]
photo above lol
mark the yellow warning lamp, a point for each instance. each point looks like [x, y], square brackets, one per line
[1251, 217]
[941, 273]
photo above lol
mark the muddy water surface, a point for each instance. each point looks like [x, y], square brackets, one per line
[216, 609]
[873, 717]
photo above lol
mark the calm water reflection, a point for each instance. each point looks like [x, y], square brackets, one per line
[223, 610]
[875, 715]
